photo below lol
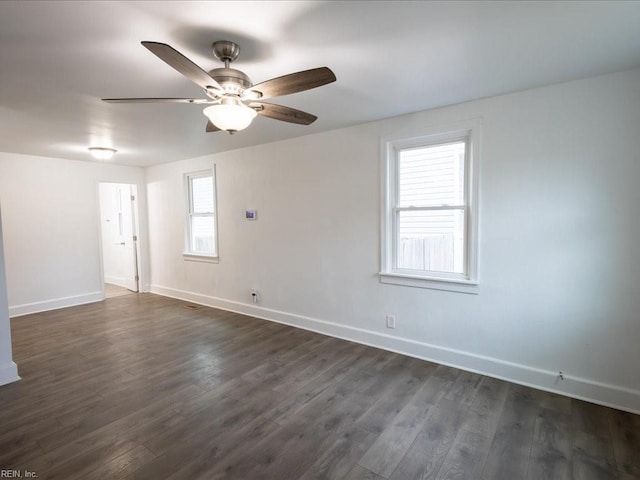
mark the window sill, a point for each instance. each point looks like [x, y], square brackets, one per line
[198, 257]
[448, 284]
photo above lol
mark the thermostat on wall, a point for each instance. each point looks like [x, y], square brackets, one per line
[251, 214]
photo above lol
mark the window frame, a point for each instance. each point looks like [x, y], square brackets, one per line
[188, 253]
[469, 131]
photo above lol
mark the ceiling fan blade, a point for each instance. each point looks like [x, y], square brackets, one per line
[211, 127]
[157, 100]
[182, 64]
[285, 114]
[292, 83]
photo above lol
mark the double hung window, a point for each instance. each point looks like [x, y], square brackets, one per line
[430, 210]
[201, 232]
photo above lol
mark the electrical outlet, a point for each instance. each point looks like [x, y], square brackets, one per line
[391, 321]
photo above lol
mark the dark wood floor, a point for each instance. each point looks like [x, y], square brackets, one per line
[142, 386]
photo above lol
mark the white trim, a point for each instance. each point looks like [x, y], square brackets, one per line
[8, 373]
[200, 257]
[437, 283]
[135, 215]
[54, 304]
[584, 389]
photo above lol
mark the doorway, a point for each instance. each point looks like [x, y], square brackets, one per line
[119, 230]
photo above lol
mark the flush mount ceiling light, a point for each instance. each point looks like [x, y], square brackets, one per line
[233, 100]
[102, 153]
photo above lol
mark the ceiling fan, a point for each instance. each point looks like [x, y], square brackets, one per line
[233, 100]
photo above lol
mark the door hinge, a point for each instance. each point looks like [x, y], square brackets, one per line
[133, 197]
[135, 238]
[137, 278]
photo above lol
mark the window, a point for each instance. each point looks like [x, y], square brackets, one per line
[201, 216]
[429, 236]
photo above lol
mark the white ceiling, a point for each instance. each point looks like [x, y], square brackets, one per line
[58, 59]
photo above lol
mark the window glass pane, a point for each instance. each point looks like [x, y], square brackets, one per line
[202, 235]
[202, 194]
[431, 240]
[431, 175]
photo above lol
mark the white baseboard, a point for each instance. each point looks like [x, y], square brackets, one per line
[8, 373]
[584, 389]
[54, 304]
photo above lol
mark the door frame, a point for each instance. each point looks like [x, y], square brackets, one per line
[135, 214]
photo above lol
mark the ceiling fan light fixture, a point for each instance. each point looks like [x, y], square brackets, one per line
[230, 115]
[231, 94]
[102, 153]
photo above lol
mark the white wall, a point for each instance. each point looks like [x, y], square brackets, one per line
[8, 369]
[559, 227]
[52, 233]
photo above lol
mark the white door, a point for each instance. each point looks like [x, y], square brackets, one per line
[119, 237]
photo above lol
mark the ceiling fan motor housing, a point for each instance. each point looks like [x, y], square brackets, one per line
[226, 50]
[233, 81]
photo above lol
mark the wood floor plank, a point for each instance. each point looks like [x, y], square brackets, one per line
[360, 473]
[427, 453]
[198, 452]
[220, 412]
[466, 457]
[386, 453]
[141, 387]
[211, 450]
[19, 441]
[290, 450]
[293, 450]
[486, 409]
[60, 399]
[625, 433]
[464, 389]
[110, 416]
[124, 465]
[339, 459]
[361, 359]
[80, 466]
[291, 376]
[403, 386]
[590, 418]
[551, 452]
[626, 476]
[510, 450]
[129, 431]
[593, 458]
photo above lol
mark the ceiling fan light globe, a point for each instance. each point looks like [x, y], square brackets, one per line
[230, 117]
